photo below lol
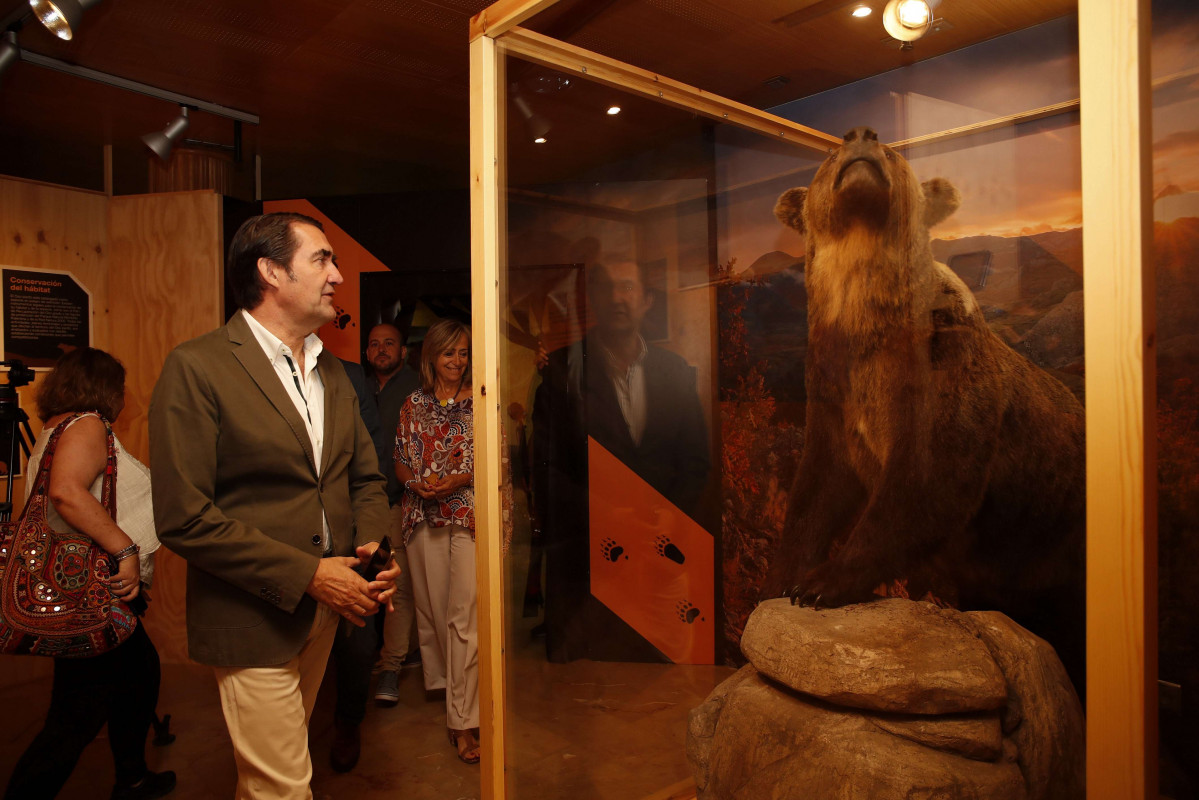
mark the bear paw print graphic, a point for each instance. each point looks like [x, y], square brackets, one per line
[687, 612]
[610, 550]
[342, 318]
[668, 549]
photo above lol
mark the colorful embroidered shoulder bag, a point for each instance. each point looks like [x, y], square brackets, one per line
[55, 597]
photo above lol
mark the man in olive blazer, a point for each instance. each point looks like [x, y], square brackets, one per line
[266, 481]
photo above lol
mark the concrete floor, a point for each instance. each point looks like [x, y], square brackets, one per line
[584, 731]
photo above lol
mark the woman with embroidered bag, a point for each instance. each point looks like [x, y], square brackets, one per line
[77, 402]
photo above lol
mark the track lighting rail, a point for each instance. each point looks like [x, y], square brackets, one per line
[133, 86]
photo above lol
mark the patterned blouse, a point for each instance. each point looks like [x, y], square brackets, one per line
[434, 441]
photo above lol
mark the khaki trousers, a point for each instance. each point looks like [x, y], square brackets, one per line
[398, 630]
[443, 586]
[267, 711]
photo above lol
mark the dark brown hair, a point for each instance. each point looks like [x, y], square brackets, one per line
[266, 236]
[441, 335]
[85, 379]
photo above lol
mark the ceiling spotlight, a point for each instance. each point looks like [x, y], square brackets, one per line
[539, 140]
[9, 51]
[162, 142]
[907, 20]
[613, 111]
[61, 17]
[861, 11]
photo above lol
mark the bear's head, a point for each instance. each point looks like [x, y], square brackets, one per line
[865, 183]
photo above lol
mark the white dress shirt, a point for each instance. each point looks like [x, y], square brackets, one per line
[308, 396]
[630, 389]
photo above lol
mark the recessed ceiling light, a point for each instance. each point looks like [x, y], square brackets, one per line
[861, 11]
[613, 110]
[539, 140]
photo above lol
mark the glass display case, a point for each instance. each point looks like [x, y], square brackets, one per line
[662, 357]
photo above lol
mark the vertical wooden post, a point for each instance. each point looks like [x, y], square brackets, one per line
[487, 243]
[1121, 400]
[108, 170]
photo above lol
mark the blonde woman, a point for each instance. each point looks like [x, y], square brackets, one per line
[435, 462]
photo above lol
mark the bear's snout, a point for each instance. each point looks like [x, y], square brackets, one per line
[861, 146]
[860, 134]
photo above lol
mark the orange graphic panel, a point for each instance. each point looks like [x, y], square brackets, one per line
[651, 564]
[342, 336]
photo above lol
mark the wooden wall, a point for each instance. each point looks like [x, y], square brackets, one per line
[166, 286]
[53, 228]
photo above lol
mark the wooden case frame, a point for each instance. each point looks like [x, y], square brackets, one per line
[1120, 323]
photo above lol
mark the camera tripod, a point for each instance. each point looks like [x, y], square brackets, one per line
[15, 422]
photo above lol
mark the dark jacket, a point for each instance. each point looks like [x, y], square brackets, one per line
[390, 400]
[238, 495]
[368, 409]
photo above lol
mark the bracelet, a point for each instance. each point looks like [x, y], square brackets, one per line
[121, 555]
[408, 484]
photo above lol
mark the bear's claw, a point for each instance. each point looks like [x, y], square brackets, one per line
[802, 598]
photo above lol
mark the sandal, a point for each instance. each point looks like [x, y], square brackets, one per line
[468, 754]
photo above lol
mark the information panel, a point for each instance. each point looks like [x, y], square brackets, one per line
[45, 315]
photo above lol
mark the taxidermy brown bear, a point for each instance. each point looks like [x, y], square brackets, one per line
[936, 458]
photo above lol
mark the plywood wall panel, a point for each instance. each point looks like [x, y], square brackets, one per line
[55, 228]
[49, 227]
[166, 285]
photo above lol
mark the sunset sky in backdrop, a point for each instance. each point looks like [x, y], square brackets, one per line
[1014, 181]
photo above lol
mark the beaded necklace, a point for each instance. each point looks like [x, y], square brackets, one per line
[449, 401]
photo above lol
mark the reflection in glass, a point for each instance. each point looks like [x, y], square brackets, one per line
[1175, 63]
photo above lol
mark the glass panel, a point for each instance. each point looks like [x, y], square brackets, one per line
[613, 615]
[666, 375]
[1175, 67]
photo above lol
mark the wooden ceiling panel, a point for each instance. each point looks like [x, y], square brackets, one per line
[830, 47]
[380, 87]
[708, 16]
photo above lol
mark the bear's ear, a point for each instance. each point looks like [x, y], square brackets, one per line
[941, 199]
[789, 208]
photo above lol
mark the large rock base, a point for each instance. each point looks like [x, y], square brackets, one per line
[893, 699]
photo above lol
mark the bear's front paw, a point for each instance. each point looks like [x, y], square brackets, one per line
[801, 597]
[832, 586]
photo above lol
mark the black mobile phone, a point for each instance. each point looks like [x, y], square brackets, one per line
[379, 560]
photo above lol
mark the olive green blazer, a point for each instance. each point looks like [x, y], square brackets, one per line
[238, 495]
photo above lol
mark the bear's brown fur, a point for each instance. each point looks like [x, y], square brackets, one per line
[934, 454]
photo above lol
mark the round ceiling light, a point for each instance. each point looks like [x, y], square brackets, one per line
[907, 20]
[862, 11]
[539, 140]
[613, 111]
